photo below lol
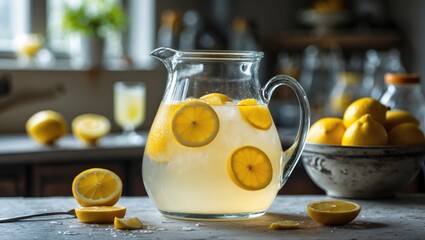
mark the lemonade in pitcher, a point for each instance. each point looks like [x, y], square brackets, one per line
[235, 168]
[213, 151]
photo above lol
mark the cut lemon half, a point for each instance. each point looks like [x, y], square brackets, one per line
[195, 124]
[216, 98]
[127, 223]
[333, 212]
[97, 187]
[250, 168]
[90, 127]
[102, 214]
[256, 115]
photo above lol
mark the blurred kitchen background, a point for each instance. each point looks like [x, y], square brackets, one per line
[53, 58]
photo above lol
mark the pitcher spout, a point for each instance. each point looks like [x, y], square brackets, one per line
[163, 53]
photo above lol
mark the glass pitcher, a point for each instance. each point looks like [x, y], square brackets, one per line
[213, 151]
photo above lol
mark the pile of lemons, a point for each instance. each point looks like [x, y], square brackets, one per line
[47, 126]
[367, 122]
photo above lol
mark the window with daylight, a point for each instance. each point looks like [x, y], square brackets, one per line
[44, 17]
[13, 22]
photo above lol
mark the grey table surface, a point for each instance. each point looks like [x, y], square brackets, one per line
[402, 217]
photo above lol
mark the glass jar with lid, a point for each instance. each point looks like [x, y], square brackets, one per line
[404, 92]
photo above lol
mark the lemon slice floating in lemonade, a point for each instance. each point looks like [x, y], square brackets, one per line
[100, 214]
[256, 115]
[97, 187]
[333, 212]
[195, 124]
[216, 98]
[250, 168]
[158, 139]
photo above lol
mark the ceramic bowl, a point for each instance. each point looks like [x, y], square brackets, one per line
[362, 172]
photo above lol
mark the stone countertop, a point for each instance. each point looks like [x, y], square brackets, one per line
[402, 217]
[19, 148]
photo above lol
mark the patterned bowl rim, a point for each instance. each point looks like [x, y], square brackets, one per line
[326, 149]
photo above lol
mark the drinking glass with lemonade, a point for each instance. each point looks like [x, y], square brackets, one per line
[130, 108]
[213, 151]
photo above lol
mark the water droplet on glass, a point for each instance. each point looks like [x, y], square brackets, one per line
[59, 233]
[56, 223]
[187, 229]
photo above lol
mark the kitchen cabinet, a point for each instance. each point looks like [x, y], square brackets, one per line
[13, 180]
[31, 170]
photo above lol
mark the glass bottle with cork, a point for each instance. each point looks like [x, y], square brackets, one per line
[404, 92]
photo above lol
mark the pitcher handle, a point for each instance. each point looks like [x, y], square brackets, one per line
[297, 147]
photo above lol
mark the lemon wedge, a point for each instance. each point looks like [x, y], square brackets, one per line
[100, 214]
[333, 212]
[256, 115]
[195, 124]
[97, 187]
[128, 223]
[250, 168]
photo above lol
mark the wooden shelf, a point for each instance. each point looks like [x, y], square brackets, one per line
[355, 40]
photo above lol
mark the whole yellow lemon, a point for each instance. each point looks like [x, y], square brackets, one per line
[365, 132]
[405, 133]
[326, 131]
[395, 117]
[46, 126]
[364, 106]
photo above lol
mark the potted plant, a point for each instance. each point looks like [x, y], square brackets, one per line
[93, 20]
